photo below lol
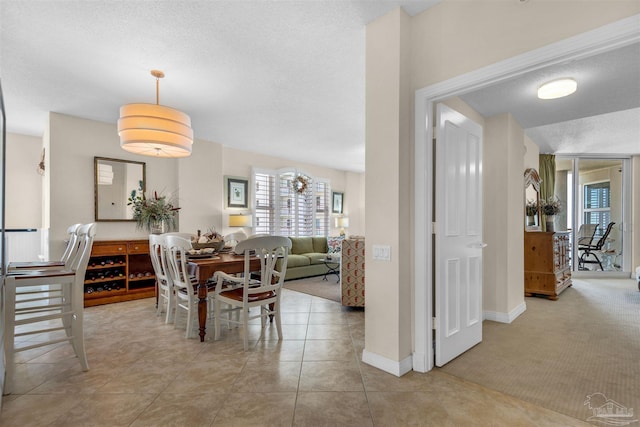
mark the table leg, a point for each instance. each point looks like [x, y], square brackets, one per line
[202, 309]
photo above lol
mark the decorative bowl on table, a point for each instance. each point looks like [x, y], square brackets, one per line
[215, 245]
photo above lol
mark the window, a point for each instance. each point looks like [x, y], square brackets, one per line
[279, 209]
[597, 204]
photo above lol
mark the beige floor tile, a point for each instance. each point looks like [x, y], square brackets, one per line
[173, 409]
[283, 351]
[265, 377]
[316, 350]
[317, 409]
[257, 409]
[328, 332]
[109, 410]
[217, 375]
[332, 318]
[36, 410]
[330, 376]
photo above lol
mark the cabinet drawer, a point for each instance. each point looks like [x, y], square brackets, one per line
[109, 249]
[138, 247]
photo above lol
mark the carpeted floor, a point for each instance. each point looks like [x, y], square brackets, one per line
[557, 353]
[328, 289]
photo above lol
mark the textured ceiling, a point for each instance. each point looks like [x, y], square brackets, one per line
[284, 78]
[602, 116]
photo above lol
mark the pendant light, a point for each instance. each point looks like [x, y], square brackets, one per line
[153, 129]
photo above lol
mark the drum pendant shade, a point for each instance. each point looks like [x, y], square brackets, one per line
[155, 130]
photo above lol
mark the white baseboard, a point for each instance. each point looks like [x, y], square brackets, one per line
[501, 317]
[391, 366]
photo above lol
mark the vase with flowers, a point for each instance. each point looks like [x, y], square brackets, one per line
[531, 210]
[156, 214]
[550, 208]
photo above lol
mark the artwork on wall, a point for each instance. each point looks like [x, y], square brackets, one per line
[237, 190]
[337, 199]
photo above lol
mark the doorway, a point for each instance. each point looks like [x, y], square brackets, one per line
[594, 190]
[600, 40]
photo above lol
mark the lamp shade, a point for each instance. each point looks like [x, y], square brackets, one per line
[155, 130]
[240, 220]
[342, 222]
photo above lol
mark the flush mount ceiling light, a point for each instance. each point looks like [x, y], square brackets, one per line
[557, 88]
[153, 129]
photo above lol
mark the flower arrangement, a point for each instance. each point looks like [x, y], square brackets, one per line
[551, 206]
[531, 208]
[153, 213]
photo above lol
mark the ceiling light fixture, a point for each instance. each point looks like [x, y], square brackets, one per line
[557, 88]
[153, 129]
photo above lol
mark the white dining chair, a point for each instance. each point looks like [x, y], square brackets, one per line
[184, 284]
[244, 293]
[45, 303]
[163, 280]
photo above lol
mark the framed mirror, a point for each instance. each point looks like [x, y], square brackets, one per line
[114, 180]
[532, 199]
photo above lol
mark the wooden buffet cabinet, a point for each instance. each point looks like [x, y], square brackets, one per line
[547, 270]
[118, 270]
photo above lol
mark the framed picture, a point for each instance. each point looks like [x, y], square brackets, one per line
[237, 190]
[337, 199]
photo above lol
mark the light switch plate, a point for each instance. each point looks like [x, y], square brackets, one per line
[382, 252]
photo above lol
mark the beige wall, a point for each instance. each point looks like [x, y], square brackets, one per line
[388, 186]
[447, 40]
[503, 216]
[197, 181]
[23, 195]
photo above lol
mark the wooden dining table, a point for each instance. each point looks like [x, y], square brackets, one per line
[205, 267]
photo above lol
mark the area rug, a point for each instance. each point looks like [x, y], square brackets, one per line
[315, 286]
[573, 355]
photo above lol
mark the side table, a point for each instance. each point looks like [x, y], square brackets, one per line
[334, 268]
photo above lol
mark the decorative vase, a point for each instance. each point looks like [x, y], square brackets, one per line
[531, 220]
[549, 220]
[157, 227]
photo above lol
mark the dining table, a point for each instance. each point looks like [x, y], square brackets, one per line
[205, 267]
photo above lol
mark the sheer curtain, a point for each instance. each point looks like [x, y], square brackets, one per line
[548, 178]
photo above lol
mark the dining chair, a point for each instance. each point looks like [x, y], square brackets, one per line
[232, 239]
[589, 252]
[244, 293]
[184, 284]
[163, 280]
[39, 303]
[70, 252]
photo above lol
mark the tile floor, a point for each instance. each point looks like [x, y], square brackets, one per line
[145, 373]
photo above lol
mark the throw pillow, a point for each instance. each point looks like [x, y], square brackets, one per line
[334, 244]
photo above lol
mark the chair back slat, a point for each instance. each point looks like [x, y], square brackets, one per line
[176, 251]
[603, 239]
[268, 249]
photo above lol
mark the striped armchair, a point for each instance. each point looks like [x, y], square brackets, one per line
[352, 272]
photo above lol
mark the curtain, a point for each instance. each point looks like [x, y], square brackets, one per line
[548, 178]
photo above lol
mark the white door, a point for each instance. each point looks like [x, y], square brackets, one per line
[458, 263]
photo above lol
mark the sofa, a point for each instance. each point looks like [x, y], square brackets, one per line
[306, 255]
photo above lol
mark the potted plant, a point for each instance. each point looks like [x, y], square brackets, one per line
[550, 208]
[156, 214]
[531, 209]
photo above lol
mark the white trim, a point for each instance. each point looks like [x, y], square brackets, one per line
[498, 316]
[391, 366]
[615, 35]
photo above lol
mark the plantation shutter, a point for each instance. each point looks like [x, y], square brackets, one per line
[265, 203]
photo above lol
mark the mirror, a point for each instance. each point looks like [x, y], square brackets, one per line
[532, 199]
[113, 182]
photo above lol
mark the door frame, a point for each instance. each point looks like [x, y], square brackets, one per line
[602, 39]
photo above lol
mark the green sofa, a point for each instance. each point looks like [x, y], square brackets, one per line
[305, 255]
